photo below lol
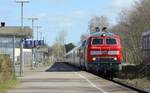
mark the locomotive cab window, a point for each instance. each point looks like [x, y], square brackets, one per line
[111, 41]
[97, 41]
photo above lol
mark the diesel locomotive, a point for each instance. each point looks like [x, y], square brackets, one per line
[100, 52]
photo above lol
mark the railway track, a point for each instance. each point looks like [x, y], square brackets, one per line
[139, 90]
[130, 86]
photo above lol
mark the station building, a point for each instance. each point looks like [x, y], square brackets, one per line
[11, 36]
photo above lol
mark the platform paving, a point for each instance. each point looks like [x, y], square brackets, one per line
[64, 78]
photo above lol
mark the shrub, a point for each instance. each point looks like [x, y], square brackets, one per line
[6, 69]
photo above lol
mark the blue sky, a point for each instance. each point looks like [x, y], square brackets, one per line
[57, 15]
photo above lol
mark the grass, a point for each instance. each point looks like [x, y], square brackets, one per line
[7, 85]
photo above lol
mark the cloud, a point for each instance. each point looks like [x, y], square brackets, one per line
[65, 25]
[116, 7]
[58, 1]
[66, 20]
[123, 3]
[78, 14]
[42, 15]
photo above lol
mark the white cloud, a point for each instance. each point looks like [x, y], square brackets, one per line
[58, 1]
[39, 16]
[42, 15]
[123, 3]
[65, 25]
[67, 20]
[117, 6]
[78, 14]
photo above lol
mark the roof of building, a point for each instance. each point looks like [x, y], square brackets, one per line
[16, 30]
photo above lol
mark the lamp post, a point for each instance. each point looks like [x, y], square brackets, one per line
[22, 4]
[21, 41]
[37, 34]
[37, 54]
[33, 20]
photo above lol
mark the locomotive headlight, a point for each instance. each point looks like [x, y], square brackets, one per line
[115, 58]
[93, 58]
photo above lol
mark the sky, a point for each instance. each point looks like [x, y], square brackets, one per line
[55, 16]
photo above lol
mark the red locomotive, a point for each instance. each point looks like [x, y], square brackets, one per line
[101, 52]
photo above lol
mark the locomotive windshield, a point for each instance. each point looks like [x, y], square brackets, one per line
[111, 41]
[97, 41]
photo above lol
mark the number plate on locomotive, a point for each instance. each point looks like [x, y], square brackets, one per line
[104, 52]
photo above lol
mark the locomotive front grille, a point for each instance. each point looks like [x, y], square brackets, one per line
[105, 60]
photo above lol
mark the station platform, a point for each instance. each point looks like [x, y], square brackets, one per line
[64, 78]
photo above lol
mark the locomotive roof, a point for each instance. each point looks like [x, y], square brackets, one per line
[101, 33]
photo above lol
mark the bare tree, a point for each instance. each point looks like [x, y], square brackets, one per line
[98, 21]
[58, 47]
[83, 37]
[130, 27]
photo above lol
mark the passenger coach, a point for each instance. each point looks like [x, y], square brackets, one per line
[146, 45]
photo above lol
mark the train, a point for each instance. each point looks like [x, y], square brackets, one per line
[146, 46]
[100, 52]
